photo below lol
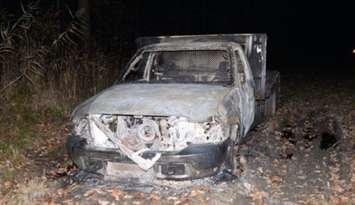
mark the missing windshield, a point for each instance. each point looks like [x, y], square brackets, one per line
[193, 66]
[197, 66]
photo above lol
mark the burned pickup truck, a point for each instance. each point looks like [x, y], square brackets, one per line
[178, 111]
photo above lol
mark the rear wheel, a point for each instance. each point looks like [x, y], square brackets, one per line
[272, 106]
[273, 94]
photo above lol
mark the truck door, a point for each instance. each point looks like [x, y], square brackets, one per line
[245, 82]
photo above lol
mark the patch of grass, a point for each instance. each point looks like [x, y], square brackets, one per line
[54, 113]
[7, 175]
[17, 127]
[25, 123]
[20, 138]
[60, 151]
[30, 192]
[11, 151]
[19, 124]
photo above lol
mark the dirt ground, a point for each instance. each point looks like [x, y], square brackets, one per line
[303, 155]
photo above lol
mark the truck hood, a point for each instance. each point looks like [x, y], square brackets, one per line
[197, 102]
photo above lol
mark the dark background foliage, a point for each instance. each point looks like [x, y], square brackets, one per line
[54, 46]
[79, 59]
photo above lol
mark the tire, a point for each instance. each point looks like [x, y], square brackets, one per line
[273, 104]
[232, 163]
[78, 155]
[273, 94]
[270, 105]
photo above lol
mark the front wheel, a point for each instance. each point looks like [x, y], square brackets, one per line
[232, 162]
[78, 156]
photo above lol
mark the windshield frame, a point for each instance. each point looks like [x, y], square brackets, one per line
[152, 51]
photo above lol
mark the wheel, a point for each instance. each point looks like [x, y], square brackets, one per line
[270, 105]
[273, 104]
[232, 162]
[78, 156]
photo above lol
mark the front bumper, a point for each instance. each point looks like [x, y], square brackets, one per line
[195, 161]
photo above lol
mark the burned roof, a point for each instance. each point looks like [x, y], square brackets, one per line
[245, 40]
[172, 46]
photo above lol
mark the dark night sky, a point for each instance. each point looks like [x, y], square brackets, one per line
[300, 32]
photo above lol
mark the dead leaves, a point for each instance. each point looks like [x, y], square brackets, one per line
[154, 197]
[116, 194]
[259, 197]
[89, 193]
[275, 180]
